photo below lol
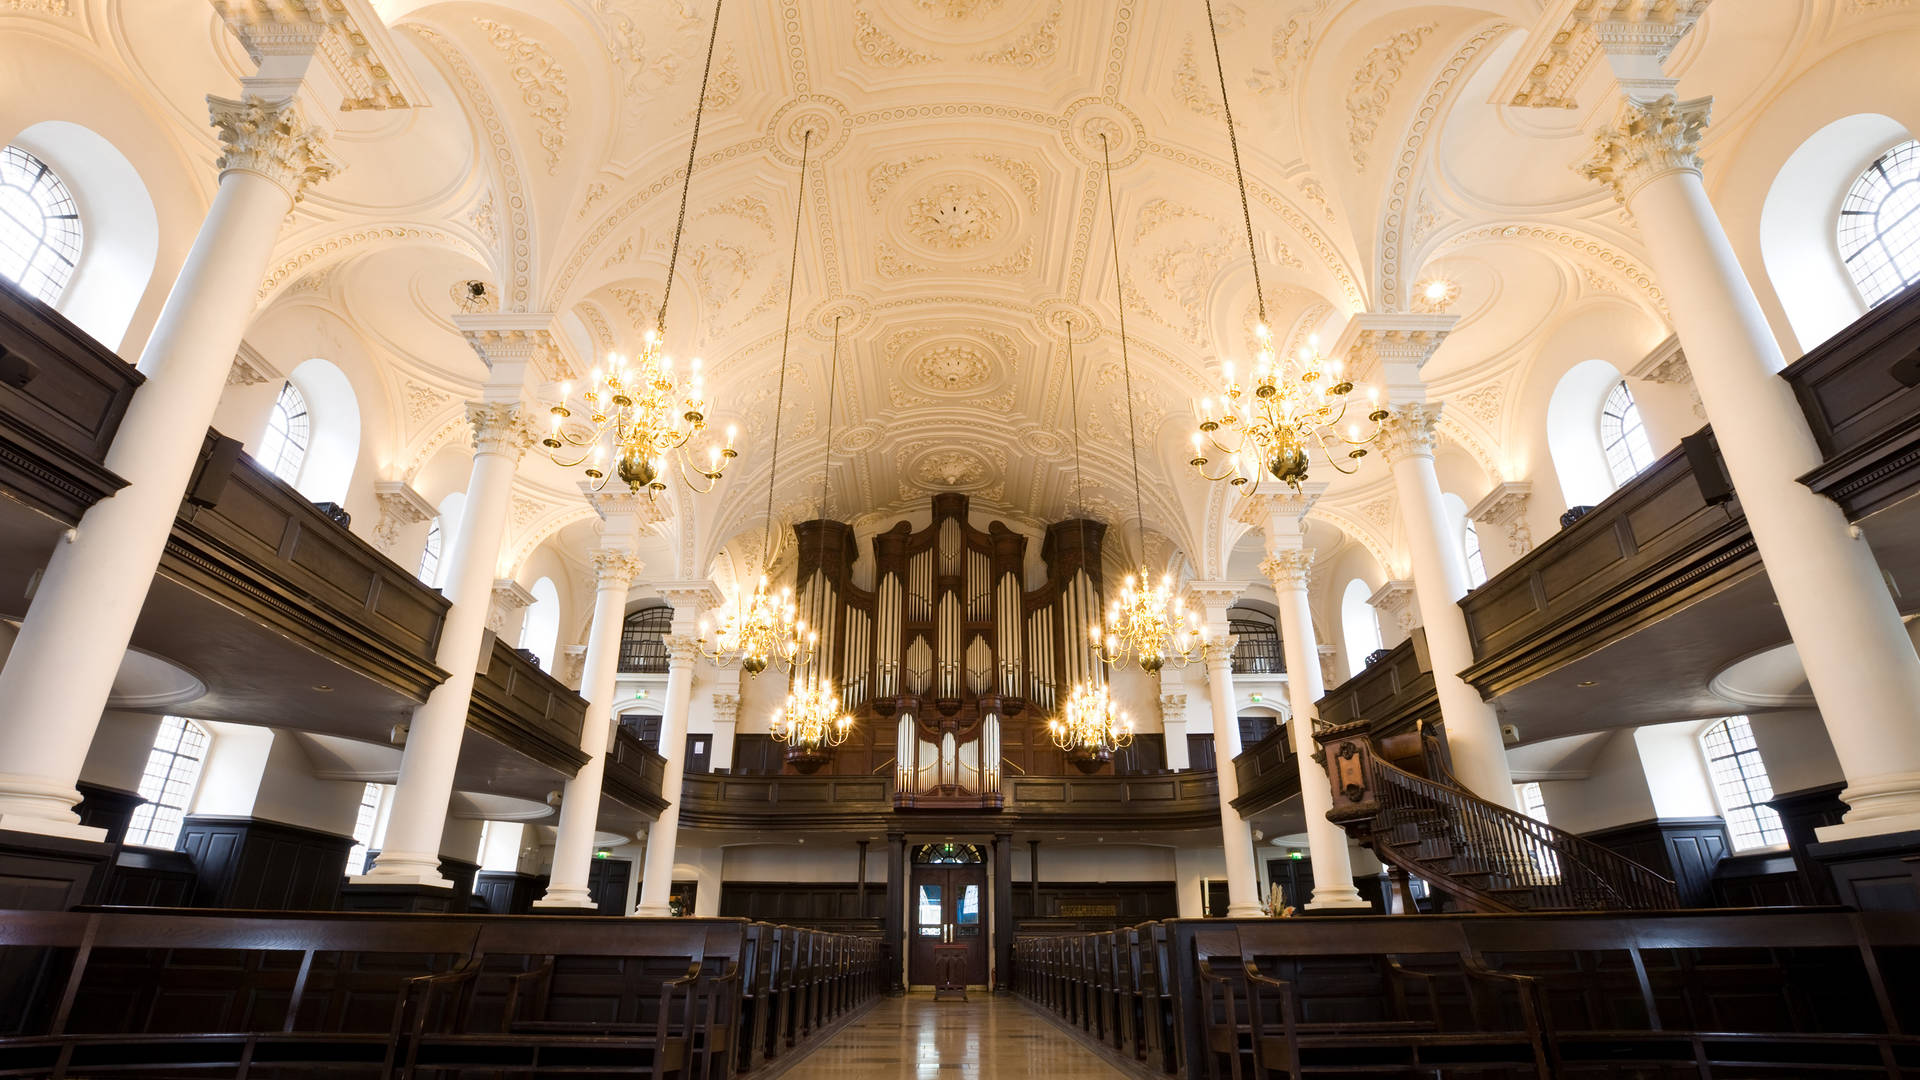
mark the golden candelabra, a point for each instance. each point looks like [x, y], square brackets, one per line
[1146, 625]
[1269, 425]
[637, 414]
[811, 723]
[763, 628]
[1091, 727]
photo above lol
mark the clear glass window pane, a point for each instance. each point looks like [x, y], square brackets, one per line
[39, 226]
[1740, 780]
[284, 445]
[929, 910]
[1623, 435]
[969, 906]
[429, 569]
[1879, 228]
[167, 783]
[1476, 560]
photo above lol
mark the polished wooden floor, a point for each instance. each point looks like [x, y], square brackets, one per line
[987, 1038]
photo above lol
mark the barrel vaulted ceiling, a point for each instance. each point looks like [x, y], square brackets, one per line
[954, 219]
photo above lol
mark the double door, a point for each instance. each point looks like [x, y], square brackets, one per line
[949, 909]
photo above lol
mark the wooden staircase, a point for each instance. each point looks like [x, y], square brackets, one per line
[1398, 799]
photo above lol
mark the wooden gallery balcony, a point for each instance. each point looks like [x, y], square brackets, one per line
[1161, 801]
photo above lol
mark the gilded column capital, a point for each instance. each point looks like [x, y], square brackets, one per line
[1289, 570]
[272, 140]
[1410, 431]
[615, 568]
[500, 427]
[1648, 140]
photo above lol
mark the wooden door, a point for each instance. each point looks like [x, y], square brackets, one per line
[948, 907]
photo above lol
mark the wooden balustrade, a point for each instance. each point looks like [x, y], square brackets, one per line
[1187, 799]
[635, 773]
[1268, 772]
[1858, 389]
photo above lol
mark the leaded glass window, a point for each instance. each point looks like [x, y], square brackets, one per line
[39, 226]
[1880, 225]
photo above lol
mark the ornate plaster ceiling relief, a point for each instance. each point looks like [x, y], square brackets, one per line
[1186, 273]
[542, 82]
[1089, 118]
[38, 7]
[958, 10]
[1316, 193]
[892, 264]
[1200, 94]
[481, 218]
[1043, 443]
[857, 438]
[1293, 39]
[424, 402]
[1157, 212]
[720, 269]
[596, 192]
[828, 118]
[953, 216]
[1372, 88]
[621, 254]
[1024, 176]
[881, 49]
[954, 368]
[1484, 402]
[883, 175]
[1036, 46]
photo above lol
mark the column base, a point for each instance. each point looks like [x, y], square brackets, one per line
[398, 868]
[360, 894]
[1881, 806]
[655, 911]
[566, 900]
[29, 804]
[1346, 901]
[1246, 911]
[541, 907]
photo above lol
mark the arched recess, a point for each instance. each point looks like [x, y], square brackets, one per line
[1359, 624]
[1798, 223]
[122, 229]
[333, 445]
[1573, 432]
[540, 634]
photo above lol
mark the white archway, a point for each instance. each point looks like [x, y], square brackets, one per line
[1359, 624]
[333, 442]
[1573, 432]
[540, 634]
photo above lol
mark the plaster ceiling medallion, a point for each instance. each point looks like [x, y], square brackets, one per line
[954, 216]
[828, 119]
[853, 312]
[1090, 118]
[1054, 315]
[1043, 443]
[952, 469]
[953, 368]
[852, 440]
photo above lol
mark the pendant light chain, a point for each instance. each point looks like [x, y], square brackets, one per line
[1126, 366]
[833, 376]
[1233, 140]
[786, 337]
[686, 181]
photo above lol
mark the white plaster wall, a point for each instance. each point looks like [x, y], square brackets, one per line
[1676, 770]
[823, 859]
[263, 773]
[1794, 746]
[117, 758]
[1614, 793]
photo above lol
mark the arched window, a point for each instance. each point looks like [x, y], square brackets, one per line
[1476, 562]
[1740, 780]
[284, 446]
[643, 641]
[1623, 436]
[1359, 624]
[429, 569]
[173, 771]
[540, 634]
[1880, 225]
[39, 226]
[363, 824]
[1256, 646]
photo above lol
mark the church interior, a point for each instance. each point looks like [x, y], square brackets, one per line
[612, 537]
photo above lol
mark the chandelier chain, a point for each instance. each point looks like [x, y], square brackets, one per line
[833, 377]
[786, 337]
[1233, 141]
[686, 181]
[1126, 366]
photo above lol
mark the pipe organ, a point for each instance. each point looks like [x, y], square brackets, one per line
[950, 653]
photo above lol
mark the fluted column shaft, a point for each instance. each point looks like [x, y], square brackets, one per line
[1859, 660]
[656, 884]
[1289, 570]
[580, 802]
[76, 630]
[1440, 580]
[411, 854]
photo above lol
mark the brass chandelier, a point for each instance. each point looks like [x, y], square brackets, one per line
[1146, 625]
[1290, 406]
[764, 628]
[813, 719]
[1091, 728]
[639, 413]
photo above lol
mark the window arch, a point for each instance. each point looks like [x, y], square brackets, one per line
[643, 641]
[1476, 559]
[1880, 225]
[429, 569]
[1256, 646]
[172, 774]
[284, 445]
[333, 425]
[1359, 624]
[1623, 436]
[540, 634]
[40, 232]
[1740, 780]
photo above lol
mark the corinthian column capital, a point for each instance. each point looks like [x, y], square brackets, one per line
[682, 649]
[1289, 570]
[1411, 431]
[272, 140]
[500, 428]
[1648, 140]
[615, 568]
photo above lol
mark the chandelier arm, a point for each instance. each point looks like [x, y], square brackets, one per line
[1233, 140]
[686, 181]
[786, 337]
[1126, 368]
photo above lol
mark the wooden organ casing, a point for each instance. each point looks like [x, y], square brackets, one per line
[950, 664]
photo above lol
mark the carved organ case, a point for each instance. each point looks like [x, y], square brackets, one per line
[950, 652]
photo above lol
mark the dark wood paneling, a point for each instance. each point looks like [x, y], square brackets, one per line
[1268, 773]
[1801, 813]
[59, 409]
[822, 905]
[150, 877]
[1687, 850]
[1089, 905]
[107, 808]
[1392, 694]
[527, 710]
[1765, 880]
[267, 553]
[1874, 873]
[1651, 547]
[50, 873]
[607, 884]
[505, 892]
[1866, 420]
[634, 773]
[244, 862]
[1201, 754]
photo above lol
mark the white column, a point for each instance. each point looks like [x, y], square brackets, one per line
[726, 715]
[76, 630]
[1440, 580]
[1288, 566]
[501, 434]
[656, 884]
[1236, 837]
[1859, 661]
[615, 568]
[1173, 719]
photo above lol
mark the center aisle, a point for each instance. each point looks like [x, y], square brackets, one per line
[987, 1038]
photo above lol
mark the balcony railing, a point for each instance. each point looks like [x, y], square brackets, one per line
[527, 710]
[635, 774]
[1187, 799]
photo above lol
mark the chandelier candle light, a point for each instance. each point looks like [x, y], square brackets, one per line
[638, 414]
[1146, 625]
[1091, 728]
[814, 720]
[764, 628]
[1269, 425]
